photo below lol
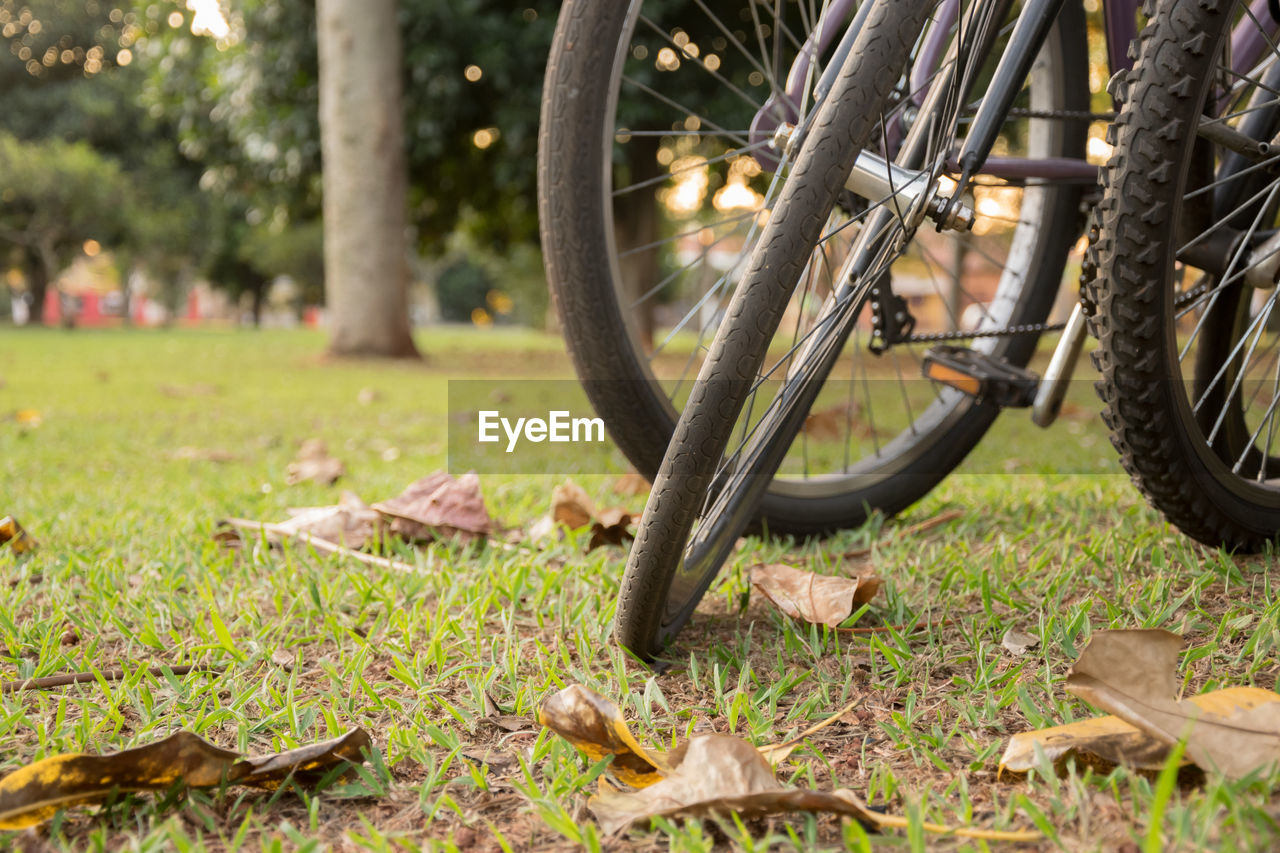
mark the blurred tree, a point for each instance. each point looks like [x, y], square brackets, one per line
[294, 250]
[54, 197]
[72, 70]
[247, 105]
[362, 137]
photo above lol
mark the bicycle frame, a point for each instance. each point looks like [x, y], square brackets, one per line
[1120, 22]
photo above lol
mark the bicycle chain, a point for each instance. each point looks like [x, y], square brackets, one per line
[1085, 272]
[1031, 328]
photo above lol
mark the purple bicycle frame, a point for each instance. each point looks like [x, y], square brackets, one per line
[1120, 18]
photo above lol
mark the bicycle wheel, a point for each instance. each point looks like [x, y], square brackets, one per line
[656, 177]
[736, 431]
[1186, 294]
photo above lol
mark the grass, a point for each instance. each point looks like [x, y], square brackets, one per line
[129, 575]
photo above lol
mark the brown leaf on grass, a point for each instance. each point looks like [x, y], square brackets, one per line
[494, 759]
[830, 424]
[307, 764]
[507, 722]
[818, 599]
[631, 485]
[1104, 742]
[18, 539]
[542, 529]
[439, 506]
[36, 792]
[721, 775]
[1132, 674]
[611, 526]
[1018, 643]
[314, 463]
[717, 775]
[709, 774]
[572, 507]
[1099, 742]
[595, 726]
[352, 522]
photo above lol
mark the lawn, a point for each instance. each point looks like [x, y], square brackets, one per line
[146, 439]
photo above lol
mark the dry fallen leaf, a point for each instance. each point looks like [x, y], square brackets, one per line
[314, 463]
[1018, 643]
[831, 424]
[611, 526]
[1107, 741]
[542, 529]
[307, 764]
[1100, 742]
[351, 523]
[631, 484]
[32, 794]
[717, 775]
[1132, 674]
[595, 726]
[494, 759]
[710, 774]
[818, 599]
[572, 507]
[13, 535]
[439, 506]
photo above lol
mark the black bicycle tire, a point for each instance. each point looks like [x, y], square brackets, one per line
[1160, 445]
[842, 126]
[641, 422]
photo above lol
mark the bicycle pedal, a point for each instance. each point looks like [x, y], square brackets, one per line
[980, 375]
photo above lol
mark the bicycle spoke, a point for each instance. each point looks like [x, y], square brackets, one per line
[688, 112]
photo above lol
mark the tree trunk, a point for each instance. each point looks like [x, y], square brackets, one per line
[362, 144]
[38, 278]
[635, 218]
[125, 269]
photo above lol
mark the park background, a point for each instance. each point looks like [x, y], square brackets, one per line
[160, 166]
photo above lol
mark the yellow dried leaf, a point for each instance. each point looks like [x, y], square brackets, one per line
[13, 535]
[707, 775]
[595, 726]
[1100, 741]
[32, 794]
[1107, 741]
[1132, 675]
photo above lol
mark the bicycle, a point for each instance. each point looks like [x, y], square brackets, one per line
[1189, 258]
[902, 89]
